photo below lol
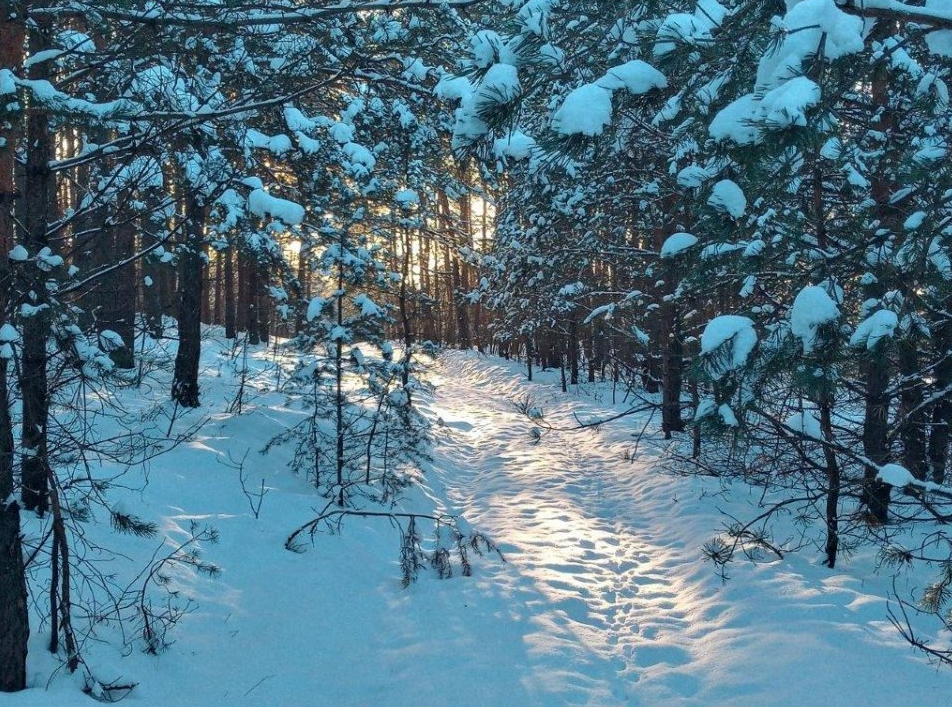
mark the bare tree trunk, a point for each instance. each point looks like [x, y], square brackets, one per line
[942, 412]
[185, 390]
[673, 358]
[304, 282]
[339, 383]
[449, 306]
[117, 292]
[459, 288]
[673, 375]
[243, 309]
[573, 351]
[833, 486]
[263, 309]
[229, 256]
[253, 324]
[39, 197]
[218, 312]
[529, 354]
[461, 272]
[207, 290]
[405, 318]
[152, 297]
[875, 429]
[876, 494]
[911, 410]
[14, 618]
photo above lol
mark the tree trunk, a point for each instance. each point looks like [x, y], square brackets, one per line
[529, 353]
[263, 310]
[229, 256]
[339, 383]
[243, 309]
[117, 292]
[911, 410]
[573, 351]
[875, 429]
[207, 290]
[152, 297]
[463, 339]
[218, 312]
[39, 198]
[253, 324]
[303, 277]
[190, 270]
[942, 412]
[833, 486]
[14, 618]
[673, 359]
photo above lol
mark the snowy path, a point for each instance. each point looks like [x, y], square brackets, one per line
[610, 594]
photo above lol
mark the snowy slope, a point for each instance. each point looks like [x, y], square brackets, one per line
[604, 599]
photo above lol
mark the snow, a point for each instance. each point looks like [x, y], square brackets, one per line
[727, 415]
[786, 105]
[315, 307]
[812, 309]
[728, 197]
[637, 77]
[485, 46]
[677, 244]
[276, 144]
[899, 476]
[754, 248]
[939, 42]
[110, 340]
[360, 160]
[914, 221]
[602, 600]
[46, 260]
[500, 85]
[895, 475]
[48, 95]
[939, 257]
[808, 25]
[586, 111]
[342, 133]
[871, 331]
[680, 28]
[516, 145]
[8, 82]
[805, 423]
[367, 307]
[736, 121]
[263, 205]
[735, 332]
[8, 334]
[407, 197]
[693, 176]
[454, 88]
[534, 15]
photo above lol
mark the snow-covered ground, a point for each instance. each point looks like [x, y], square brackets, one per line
[604, 599]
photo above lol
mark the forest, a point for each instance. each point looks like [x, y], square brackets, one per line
[495, 353]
